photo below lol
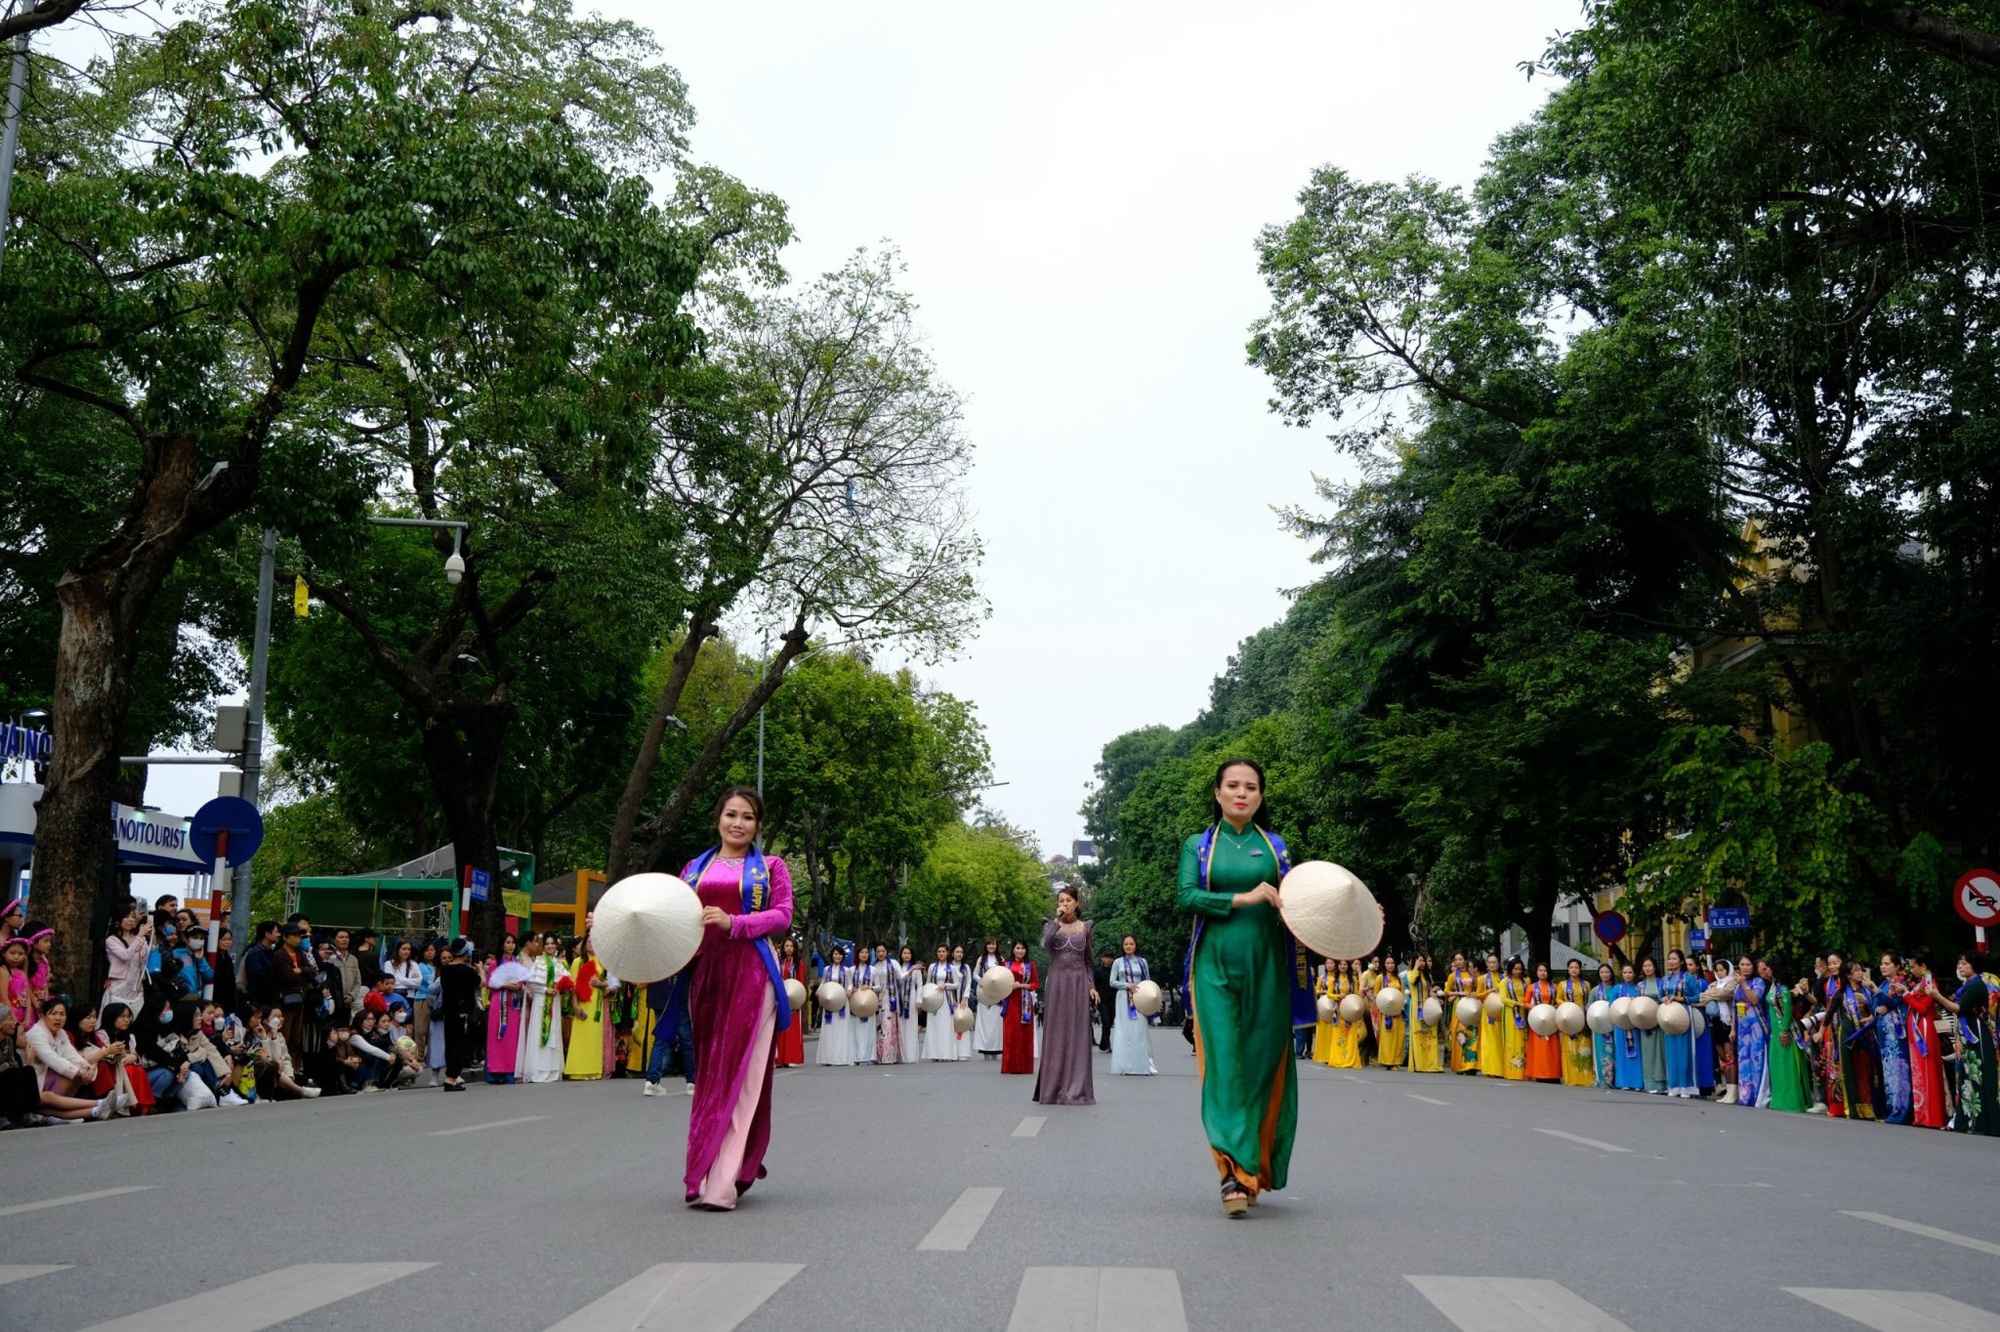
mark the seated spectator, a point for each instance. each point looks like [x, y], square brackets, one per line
[212, 1065]
[282, 1082]
[120, 1068]
[22, 1100]
[66, 1071]
[381, 1064]
[163, 1044]
[338, 1070]
[399, 1040]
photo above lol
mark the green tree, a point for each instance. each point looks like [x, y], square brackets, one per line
[974, 880]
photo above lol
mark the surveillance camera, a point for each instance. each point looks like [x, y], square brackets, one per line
[454, 568]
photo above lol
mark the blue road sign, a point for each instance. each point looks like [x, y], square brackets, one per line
[231, 814]
[1728, 918]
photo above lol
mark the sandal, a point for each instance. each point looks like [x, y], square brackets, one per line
[1235, 1199]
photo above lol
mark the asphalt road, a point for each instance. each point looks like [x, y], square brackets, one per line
[940, 1196]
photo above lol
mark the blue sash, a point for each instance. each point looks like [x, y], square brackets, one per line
[1305, 1010]
[756, 882]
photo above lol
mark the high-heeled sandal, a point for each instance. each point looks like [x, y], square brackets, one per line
[1235, 1199]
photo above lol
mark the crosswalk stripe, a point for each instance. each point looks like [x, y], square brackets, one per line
[1513, 1304]
[688, 1297]
[1588, 1142]
[18, 1208]
[1098, 1299]
[474, 1128]
[1928, 1232]
[961, 1221]
[1900, 1310]
[1031, 1126]
[1427, 1100]
[250, 1306]
[10, 1273]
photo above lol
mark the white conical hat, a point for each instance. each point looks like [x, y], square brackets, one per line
[832, 996]
[1645, 1012]
[1621, 1013]
[1673, 1017]
[963, 1018]
[1467, 1010]
[932, 997]
[1352, 1007]
[1598, 1016]
[646, 927]
[1495, 1005]
[795, 994]
[1330, 911]
[1697, 1024]
[995, 985]
[1542, 1019]
[1148, 998]
[863, 1002]
[1570, 1019]
[1329, 1008]
[1430, 1012]
[1389, 1002]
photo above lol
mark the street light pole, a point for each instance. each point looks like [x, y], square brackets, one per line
[10, 139]
[253, 735]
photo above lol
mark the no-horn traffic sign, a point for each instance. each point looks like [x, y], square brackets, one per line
[1978, 898]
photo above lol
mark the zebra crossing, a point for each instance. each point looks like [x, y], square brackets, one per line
[718, 1297]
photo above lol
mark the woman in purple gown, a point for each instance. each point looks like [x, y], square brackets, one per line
[736, 1004]
[1067, 1001]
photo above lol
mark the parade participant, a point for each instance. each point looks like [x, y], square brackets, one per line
[504, 1005]
[1245, 986]
[836, 1034]
[1631, 1074]
[1131, 1046]
[889, 1020]
[1652, 1047]
[1514, 1021]
[1787, 1067]
[1542, 1059]
[961, 1041]
[1067, 998]
[1892, 1044]
[541, 1031]
[1681, 986]
[1853, 1021]
[1830, 994]
[989, 1028]
[590, 999]
[1928, 1102]
[1461, 1038]
[868, 975]
[456, 1011]
[1322, 1042]
[1391, 1033]
[1753, 1035]
[1603, 1044]
[1425, 1054]
[1492, 1025]
[792, 1040]
[940, 1041]
[737, 1003]
[1579, 1054]
[913, 991]
[1978, 1109]
[1017, 1054]
[1347, 1035]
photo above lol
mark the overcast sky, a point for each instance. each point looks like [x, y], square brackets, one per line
[1076, 189]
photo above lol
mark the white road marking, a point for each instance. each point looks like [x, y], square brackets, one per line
[10, 1274]
[688, 1297]
[1098, 1299]
[250, 1306]
[961, 1221]
[19, 1208]
[1427, 1100]
[498, 1123]
[1351, 1078]
[1928, 1232]
[1588, 1142]
[1030, 1127]
[1901, 1310]
[1513, 1304]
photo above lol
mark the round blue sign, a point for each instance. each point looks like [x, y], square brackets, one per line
[231, 814]
[1609, 926]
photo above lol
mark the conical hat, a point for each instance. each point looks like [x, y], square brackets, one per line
[1389, 1002]
[1330, 911]
[1352, 1007]
[1621, 1013]
[646, 927]
[1542, 1019]
[1569, 1019]
[1645, 1012]
[1697, 1024]
[962, 1019]
[1148, 998]
[995, 985]
[932, 997]
[1430, 1012]
[863, 1002]
[832, 996]
[1329, 1008]
[1495, 1005]
[1673, 1018]
[795, 994]
[1467, 1010]
[1598, 1016]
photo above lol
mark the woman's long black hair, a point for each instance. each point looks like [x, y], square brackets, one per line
[1262, 818]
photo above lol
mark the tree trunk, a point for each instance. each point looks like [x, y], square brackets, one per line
[464, 765]
[626, 820]
[649, 841]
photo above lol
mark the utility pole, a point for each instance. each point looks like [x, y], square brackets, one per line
[763, 665]
[10, 139]
[253, 736]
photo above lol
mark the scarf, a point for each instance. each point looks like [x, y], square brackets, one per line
[1024, 989]
[549, 997]
[756, 887]
[1131, 980]
[1305, 1013]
